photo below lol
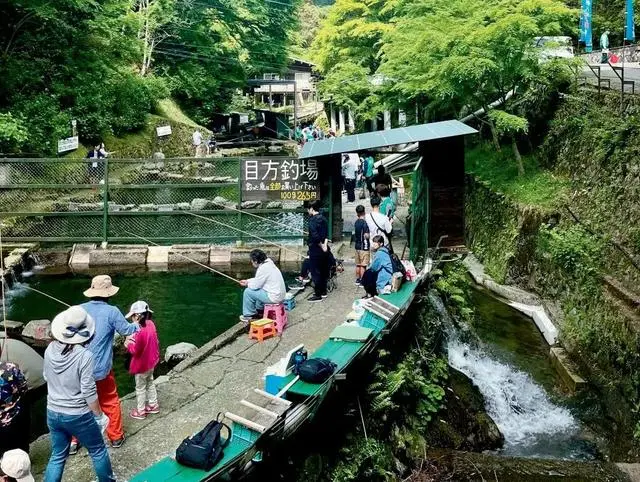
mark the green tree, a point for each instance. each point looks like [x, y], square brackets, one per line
[510, 126]
[13, 133]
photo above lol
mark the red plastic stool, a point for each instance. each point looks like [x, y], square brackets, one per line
[278, 314]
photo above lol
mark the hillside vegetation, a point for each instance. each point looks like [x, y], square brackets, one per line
[107, 64]
[568, 231]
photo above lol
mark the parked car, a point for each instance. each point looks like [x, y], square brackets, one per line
[554, 47]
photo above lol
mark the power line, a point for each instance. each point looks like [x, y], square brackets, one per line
[212, 51]
[207, 57]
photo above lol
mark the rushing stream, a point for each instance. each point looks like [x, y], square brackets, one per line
[517, 384]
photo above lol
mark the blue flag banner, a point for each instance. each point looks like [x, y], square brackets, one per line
[586, 35]
[629, 27]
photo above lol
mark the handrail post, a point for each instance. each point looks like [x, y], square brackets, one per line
[105, 195]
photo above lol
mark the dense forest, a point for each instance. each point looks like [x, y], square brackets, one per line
[450, 58]
[105, 64]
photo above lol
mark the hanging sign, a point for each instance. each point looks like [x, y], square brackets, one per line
[68, 144]
[629, 27]
[280, 179]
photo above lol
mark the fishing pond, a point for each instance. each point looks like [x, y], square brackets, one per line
[192, 306]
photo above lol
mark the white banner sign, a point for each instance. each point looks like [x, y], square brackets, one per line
[163, 131]
[68, 144]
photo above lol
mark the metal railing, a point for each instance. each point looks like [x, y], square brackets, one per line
[116, 200]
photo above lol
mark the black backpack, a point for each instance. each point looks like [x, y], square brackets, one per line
[204, 449]
[397, 266]
[315, 370]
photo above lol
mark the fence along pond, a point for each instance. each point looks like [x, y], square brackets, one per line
[88, 200]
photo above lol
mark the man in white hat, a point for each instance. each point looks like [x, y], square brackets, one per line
[109, 320]
[15, 465]
[72, 396]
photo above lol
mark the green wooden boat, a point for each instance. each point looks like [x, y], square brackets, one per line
[274, 417]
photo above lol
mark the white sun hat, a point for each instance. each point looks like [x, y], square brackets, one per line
[138, 308]
[15, 463]
[74, 325]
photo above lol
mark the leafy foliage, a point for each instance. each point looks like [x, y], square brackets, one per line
[451, 58]
[365, 459]
[106, 64]
[13, 133]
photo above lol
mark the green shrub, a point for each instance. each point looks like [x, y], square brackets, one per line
[13, 133]
[574, 250]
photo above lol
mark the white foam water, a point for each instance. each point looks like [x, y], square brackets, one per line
[530, 422]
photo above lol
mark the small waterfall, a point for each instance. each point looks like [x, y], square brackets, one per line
[530, 422]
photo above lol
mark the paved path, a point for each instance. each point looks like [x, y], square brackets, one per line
[191, 398]
[349, 214]
[631, 72]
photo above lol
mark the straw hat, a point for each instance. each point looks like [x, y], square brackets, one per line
[15, 463]
[74, 325]
[137, 308]
[101, 287]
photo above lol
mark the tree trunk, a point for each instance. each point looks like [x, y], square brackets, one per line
[492, 127]
[494, 135]
[145, 46]
[517, 155]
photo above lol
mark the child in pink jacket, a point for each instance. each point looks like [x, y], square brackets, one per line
[145, 355]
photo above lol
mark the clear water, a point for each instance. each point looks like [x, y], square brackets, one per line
[511, 367]
[192, 306]
[188, 306]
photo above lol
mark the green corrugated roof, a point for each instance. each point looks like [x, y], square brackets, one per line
[390, 137]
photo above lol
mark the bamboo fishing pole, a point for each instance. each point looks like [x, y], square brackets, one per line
[188, 258]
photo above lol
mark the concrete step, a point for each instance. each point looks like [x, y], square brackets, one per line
[631, 470]
[567, 369]
[617, 289]
[630, 316]
[80, 255]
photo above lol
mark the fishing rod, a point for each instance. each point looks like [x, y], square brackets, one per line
[245, 232]
[260, 217]
[190, 259]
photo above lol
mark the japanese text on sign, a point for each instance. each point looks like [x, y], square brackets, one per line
[280, 179]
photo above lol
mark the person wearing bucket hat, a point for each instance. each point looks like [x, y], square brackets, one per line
[109, 320]
[15, 465]
[72, 396]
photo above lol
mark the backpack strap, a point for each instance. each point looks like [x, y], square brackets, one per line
[387, 234]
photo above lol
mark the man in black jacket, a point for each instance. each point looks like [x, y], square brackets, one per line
[318, 251]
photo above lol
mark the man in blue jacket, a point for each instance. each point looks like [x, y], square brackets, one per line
[318, 251]
[109, 320]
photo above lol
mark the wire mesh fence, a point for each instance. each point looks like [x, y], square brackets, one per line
[175, 200]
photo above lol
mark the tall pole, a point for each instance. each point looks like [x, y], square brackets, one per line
[295, 106]
[105, 206]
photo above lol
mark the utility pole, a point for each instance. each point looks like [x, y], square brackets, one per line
[295, 106]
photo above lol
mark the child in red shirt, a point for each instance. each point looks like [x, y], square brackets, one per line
[145, 355]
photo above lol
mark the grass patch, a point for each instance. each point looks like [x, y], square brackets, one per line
[536, 187]
[169, 109]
